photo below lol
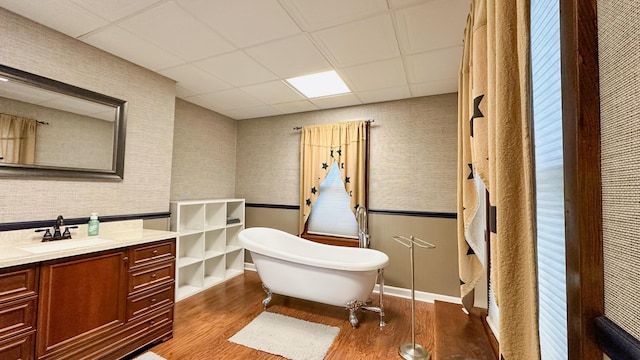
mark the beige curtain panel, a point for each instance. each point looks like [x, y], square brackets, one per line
[495, 147]
[17, 139]
[321, 146]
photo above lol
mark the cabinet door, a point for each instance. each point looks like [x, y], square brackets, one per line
[80, 300]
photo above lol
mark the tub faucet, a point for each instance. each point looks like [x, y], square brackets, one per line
[363, 234]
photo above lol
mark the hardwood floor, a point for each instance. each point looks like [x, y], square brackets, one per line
[205, 321]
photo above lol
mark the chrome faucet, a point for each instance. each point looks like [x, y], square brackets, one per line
[363, 233]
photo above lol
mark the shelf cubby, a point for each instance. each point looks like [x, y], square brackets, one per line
[235, 210]
[190, 280]
[232, 237]
[215, 215]
[190, 249]
[214, 271]
[234, 263]
[214, 241]
[191, 218]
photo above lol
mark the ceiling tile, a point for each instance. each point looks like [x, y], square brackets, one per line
[195, 79]
[314, 15]
[329, 102]
[434, 65]
[295, 107]
[225, 100]
[293, 56]
[244, 22]
[386, 94]
[376, 75]
[236, 68]
[56, 14]
[274, 92]
[434, 88]
[253, 112]
[432, 25]
[359, 42]
[124, 44]
[174, 30]
[114, 9]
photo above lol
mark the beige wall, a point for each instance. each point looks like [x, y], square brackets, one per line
[619, 59]
[413, 168]
[413, 154]
[147, 175]
[204, 154]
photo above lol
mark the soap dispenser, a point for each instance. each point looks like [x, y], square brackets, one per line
[93, 226]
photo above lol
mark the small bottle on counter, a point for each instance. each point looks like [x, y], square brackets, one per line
[94, 225]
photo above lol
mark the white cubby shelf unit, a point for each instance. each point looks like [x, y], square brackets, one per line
[207, 247]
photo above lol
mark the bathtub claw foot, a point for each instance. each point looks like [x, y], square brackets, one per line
[353, 306]
[266, 300]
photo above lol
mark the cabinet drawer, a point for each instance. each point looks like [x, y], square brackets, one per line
[148, 301]
[147, 277]
[18, 347]
[17, 317]
[18, 283]
[152, 253]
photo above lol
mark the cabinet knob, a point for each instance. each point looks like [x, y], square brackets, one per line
[153, 276]
[153, 300]
[151, 322]
[125, 259]
[155, 252]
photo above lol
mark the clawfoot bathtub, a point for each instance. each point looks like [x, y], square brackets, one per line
[292, 266]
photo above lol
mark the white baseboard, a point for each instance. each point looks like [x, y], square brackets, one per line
[420, 295]
[398, 292]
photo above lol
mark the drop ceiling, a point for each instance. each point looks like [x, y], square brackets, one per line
[232, 56]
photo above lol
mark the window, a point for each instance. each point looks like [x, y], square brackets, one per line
[331, 215]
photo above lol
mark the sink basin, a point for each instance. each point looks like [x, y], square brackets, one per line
[60, 245]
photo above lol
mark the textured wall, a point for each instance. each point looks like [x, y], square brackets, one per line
[619, 58]
[204, 154]
[147, 175]
[413, 154]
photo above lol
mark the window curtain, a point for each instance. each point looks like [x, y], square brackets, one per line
[321, 146]
[495, 147]
[17, 139]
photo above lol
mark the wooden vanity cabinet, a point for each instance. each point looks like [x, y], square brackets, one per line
[87, 309]
[18, 299]
[82, 301]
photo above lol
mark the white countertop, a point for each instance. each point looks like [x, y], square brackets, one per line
[22, 247]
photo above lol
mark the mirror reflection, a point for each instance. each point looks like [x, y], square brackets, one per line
[50, 126]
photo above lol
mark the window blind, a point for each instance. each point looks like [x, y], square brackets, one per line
[547, 125]
[331, 214]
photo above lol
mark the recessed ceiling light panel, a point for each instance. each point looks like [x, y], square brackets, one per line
[319, 84]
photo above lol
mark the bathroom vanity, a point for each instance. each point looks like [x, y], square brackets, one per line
[102, 300]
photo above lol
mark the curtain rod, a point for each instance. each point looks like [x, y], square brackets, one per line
[367, 121]
[38, 121]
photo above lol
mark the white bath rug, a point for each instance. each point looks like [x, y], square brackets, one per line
[291, 338]
[149, 356]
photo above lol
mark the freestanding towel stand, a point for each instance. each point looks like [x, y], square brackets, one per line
[412, 350]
